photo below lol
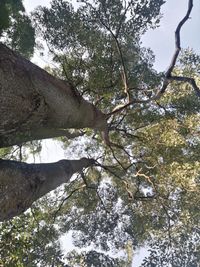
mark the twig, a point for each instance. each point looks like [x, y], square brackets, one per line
[168, 74]
[102, 203]
[113, 153]
[115, 37]
[96, 190]
[63, 201]
[106, 168]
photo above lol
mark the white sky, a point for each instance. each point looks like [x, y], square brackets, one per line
[161, 41]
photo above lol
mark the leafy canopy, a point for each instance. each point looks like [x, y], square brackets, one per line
[16, 29]
[144, 191]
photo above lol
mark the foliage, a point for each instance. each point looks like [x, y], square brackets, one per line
[93, 258]
[16, 28]
[89, 50]
[29, 240]
[144, 190]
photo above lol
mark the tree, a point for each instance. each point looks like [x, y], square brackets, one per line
[142, 184]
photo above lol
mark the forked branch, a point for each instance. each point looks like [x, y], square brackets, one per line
[168, 75]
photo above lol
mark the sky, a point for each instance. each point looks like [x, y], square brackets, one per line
[161, 41]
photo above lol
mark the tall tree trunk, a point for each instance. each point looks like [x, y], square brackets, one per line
[21, 183]
[36, 105]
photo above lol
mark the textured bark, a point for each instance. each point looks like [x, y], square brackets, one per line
[21, 183]
[36, 105]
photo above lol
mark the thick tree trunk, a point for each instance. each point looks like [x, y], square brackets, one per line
[21, 183]
[36, 105]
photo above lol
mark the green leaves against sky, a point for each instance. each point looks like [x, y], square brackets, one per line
[145, 191]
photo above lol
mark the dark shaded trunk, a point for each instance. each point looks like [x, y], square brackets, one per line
[21, 184]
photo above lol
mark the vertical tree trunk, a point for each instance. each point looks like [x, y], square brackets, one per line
[34, 104]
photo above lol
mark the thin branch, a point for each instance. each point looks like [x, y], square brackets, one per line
[124, 71]
[118, 123]
[20, 153]
[125, 132]
[113, 153]
[168, 76]
[115, 37]
[134, 101]
[107, 169]
[63, 201]
[123, 17]
[102, 203]
[189, 80]
[148, 178]
[96, 190]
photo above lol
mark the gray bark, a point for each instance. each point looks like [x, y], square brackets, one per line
[21, 184]
[36, 105]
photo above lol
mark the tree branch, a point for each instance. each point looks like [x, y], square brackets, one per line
[115, 37]
[21, 184]
[168, 74]
[64, 200]
[178, 40]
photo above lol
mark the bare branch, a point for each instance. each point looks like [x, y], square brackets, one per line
[168, 76]
[189, 80]
[177, 40]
